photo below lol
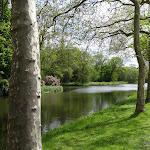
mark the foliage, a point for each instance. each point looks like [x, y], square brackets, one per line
[108, 70]
[67, 63]
[112, 128]
[145, 46]
[100, 63]
[4, 87]
[5, 44]
[131, 74]
[107, 73]
[51, 89]
[73, 65]
[92, 83]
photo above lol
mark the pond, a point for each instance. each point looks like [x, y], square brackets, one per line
[76, 102]
[73, 103]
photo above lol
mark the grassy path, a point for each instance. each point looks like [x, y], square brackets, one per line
[115, 128]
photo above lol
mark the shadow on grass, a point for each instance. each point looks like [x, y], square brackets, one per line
[134, 115]
[126, 102]
[73, 126]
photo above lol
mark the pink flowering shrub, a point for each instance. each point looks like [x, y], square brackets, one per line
[50, 80]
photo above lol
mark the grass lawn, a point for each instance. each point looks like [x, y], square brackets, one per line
[92, 83]
[51, 89]
[115, 128]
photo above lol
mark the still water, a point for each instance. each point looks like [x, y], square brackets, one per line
[76, 102]
[73, 103]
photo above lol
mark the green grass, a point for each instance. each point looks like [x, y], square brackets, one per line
[105, 83]
[92, 83]
[51, 89]
[115, 128]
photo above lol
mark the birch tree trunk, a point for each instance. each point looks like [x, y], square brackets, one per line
[140, 105]
[24, 117]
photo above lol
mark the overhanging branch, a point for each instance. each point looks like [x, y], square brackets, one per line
[65, 12]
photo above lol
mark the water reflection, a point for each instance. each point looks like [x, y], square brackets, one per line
[105, 89]
[61, 108]
[75, 102]
[3, 121]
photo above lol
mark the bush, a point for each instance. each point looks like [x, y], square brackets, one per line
[50, 80]
[4, 87]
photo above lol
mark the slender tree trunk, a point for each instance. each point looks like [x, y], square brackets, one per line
[24, 117]
[148, 87]
[148, 84]
[140, 105]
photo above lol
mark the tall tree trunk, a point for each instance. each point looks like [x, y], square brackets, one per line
[148, 84]
[148, 87]
[140, 105]
[24, 117]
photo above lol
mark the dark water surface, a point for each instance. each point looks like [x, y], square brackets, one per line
[73, 103]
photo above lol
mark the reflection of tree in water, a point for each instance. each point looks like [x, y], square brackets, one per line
[69, 106]
[3, 122]
[114, 97]
[61, 108]
[3, 131]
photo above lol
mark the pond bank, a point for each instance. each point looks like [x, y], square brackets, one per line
[51, 89]
[92, 83]
[112, 128]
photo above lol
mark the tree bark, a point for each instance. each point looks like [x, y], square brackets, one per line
[148, 84]
[148, 87]
[140, 105]
[24, 117]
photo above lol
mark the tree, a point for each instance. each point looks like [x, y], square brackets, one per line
[107, 32]
[24, 121]
[117, 22]
[5, 40]
[145, 45]
[66, 62]
[100, 62]
[140, 105]
[84, 67]
[107, 73]
[148, 86]
[131, 74]
[116, 64]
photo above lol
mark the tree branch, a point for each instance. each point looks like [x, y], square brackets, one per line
[38, 15]
[127, 4]
[118, 21]
[65, 12]
[145, 32]
[145, 2]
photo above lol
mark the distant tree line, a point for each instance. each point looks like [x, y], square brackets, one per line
[70, 64]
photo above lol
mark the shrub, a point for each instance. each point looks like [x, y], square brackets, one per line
[4, 87]
[50, 80]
